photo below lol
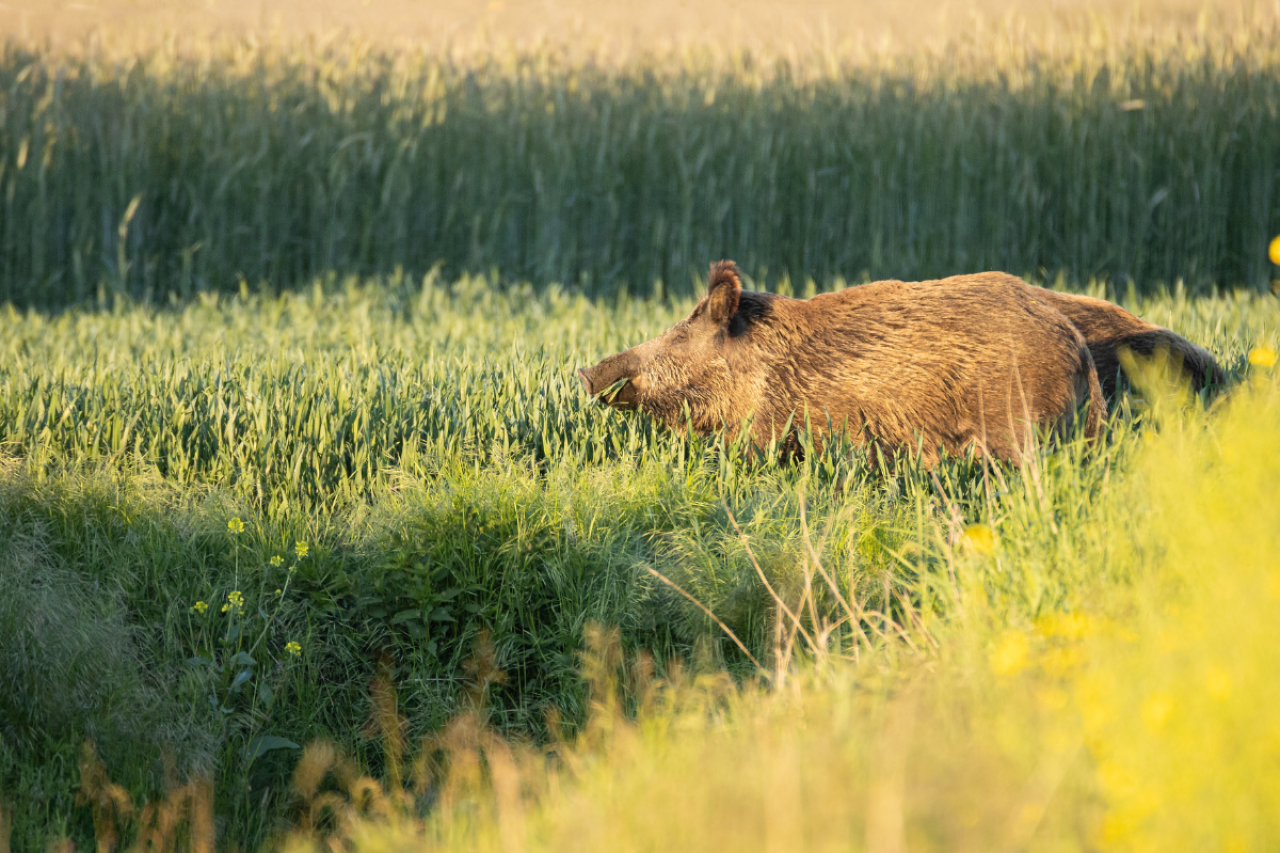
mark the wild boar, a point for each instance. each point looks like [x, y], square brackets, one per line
[968, 362]
[1107, 329]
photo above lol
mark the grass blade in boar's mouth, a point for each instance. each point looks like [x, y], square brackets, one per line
[608, 394]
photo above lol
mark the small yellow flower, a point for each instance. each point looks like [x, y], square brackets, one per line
[1274, 251]
[279, 592]
[1263, 356]
[293, 649]
[235, 602]
[979, 538]
[300, 549]
[235, 525]
[277, 561]
[199, 607]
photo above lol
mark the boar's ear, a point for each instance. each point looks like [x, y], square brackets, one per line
[723, 289]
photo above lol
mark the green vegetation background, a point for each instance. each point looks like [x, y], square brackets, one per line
[1148, 158]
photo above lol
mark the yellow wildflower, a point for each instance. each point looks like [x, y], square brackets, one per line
[300, 549]
[1263, 356]
[199, 607]
[293, 649]
[235, 525]
[1274, 251]
[235, 602]
[979, 538]
[277, 561]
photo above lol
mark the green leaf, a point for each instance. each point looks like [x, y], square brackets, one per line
[263, 744]
[241, 678]
[265, 693]
[242, 659]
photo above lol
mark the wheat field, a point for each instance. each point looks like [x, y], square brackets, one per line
[153, 166]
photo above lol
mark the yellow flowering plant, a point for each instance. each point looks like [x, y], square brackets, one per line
[235, 603]
[1263, 356]
[241, 688]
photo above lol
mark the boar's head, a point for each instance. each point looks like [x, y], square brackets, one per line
[688, 365]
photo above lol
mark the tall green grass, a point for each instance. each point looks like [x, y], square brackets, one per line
[1095, 154]
[323, 398]
[1095, 674]
[428, 442]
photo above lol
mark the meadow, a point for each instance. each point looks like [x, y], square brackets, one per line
[310, 536]
[385, 472]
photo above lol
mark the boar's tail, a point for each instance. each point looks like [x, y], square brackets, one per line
[1196, 364]
[1203, 370]
[1108, 329]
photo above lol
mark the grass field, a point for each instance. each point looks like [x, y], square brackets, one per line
[429, 446]
[308, 528]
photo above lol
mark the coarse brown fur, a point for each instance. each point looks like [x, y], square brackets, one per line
[1108, 329]
[968, 362]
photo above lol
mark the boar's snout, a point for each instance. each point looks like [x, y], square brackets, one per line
[586, 381]
[613, 374]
